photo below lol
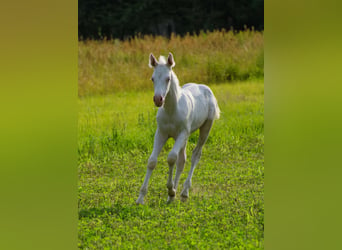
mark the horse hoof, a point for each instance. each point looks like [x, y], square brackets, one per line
[170, 199]
[139, 202]
[172, 192]
[184, 198]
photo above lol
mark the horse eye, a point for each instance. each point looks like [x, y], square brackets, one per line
[168, 79]
[152, 79]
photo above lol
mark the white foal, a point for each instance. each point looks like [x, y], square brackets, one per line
[181, 112]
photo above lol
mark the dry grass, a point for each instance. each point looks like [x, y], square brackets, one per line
[110, 66]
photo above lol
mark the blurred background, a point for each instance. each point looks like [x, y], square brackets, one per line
[98, 19]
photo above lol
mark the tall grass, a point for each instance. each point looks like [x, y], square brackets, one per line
[110, 66]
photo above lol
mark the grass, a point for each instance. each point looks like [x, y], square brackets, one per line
[112, 66]
[225, 209]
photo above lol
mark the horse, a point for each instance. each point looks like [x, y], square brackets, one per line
[181, 111]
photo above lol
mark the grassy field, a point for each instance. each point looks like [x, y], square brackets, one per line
[116, 127]
[225, 208]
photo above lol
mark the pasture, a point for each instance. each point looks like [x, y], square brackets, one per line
[225, 209]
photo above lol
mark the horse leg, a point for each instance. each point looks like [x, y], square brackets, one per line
[171, 160]
[196, 155]
[159, 141]
[180, 165]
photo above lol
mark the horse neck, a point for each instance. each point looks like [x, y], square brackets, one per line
[173, 95]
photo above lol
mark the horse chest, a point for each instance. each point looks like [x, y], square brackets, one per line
[170, 125]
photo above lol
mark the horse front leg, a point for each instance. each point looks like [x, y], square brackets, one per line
[172, 158]
[159, 141]
[180, 165]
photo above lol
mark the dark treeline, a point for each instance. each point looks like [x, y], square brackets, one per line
[123, 19]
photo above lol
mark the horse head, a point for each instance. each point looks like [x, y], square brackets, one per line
[161, 77]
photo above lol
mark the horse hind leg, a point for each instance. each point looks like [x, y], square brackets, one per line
[196, 155]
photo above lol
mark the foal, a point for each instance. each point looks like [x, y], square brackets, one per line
[181, 112]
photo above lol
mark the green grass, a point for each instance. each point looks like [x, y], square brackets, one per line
[225, 209]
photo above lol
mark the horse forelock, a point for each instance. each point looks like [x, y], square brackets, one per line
[162, 60]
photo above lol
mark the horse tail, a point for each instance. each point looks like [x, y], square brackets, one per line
[217, 110]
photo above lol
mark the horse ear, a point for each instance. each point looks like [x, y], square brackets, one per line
[153, 61]
[170, 60]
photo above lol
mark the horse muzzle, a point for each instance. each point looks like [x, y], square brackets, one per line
[158, 100]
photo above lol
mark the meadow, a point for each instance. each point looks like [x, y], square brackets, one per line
[225, 209]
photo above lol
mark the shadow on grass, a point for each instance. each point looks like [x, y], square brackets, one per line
[126, 212]
[117, 210]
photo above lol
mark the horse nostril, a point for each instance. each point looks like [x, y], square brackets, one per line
[158, 100]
